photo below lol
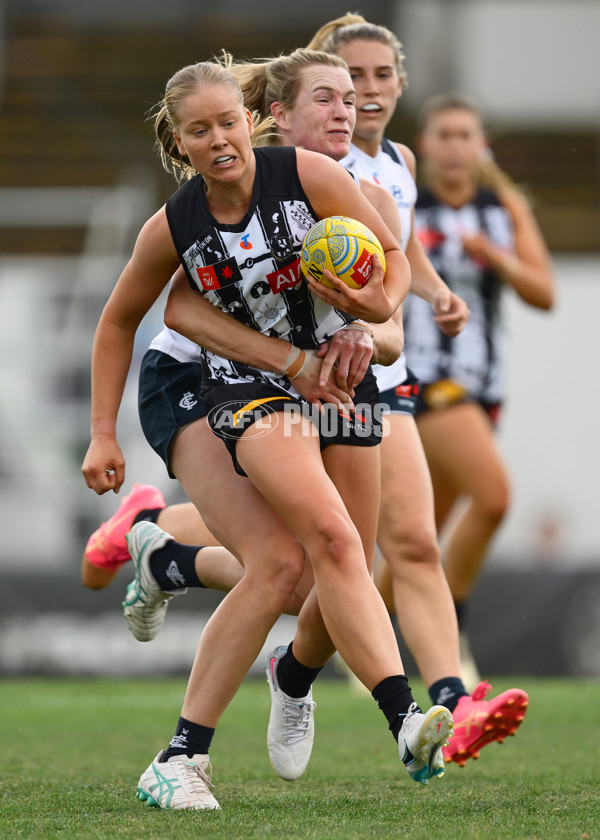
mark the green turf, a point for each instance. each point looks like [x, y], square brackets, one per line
[72, 751]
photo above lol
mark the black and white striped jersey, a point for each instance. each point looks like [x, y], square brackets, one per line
[251, 270]
[476, 357]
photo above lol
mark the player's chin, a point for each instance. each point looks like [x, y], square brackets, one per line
[338, 146]
[370, 124]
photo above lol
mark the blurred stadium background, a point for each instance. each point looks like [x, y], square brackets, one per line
[78, 177]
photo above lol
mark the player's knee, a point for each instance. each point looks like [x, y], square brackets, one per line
[412, 543]
[500, 508]
[495, 504]
[331, 540]
[335, 541]
[280, 572]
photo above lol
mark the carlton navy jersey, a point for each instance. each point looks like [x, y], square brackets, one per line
[476, 357]
[388, 169]
[251, 270]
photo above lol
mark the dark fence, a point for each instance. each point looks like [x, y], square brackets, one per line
[536, 623]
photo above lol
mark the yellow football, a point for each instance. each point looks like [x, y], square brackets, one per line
[345, 247]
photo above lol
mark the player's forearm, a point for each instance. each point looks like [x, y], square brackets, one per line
[206, 325]
[396, 285]
[534, 285]
[388, 340]
[250, 347]
[425, 282]
[111, 359]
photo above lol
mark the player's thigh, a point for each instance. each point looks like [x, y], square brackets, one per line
[286, 466]
[407, 528]
[355, 471]
[406, 490]
[183, 521]
[462, 452]
[234, 511]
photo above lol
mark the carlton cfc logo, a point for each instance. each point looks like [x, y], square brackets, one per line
[188, 401]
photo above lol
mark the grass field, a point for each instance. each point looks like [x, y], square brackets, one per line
[72, 751]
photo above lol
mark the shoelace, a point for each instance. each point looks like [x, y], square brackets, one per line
[197, 779]
[412, 709]
[297, 719]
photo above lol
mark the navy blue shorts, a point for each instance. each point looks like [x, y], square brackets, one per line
[235, 407]
[168, 399]
[403, 398]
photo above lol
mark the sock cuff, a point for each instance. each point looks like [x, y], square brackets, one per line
[447, 692]
[147, 515]
[294, 678]
[388, 687]
[174, 566]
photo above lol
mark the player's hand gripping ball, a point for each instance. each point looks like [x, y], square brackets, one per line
[345, 247]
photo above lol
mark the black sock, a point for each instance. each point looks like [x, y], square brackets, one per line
[147, 515]
[394, 698]
[461, 613]
[174, 566]
[190, 739]
[294, 678]
[447, 692]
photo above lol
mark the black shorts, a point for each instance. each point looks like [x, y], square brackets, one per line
[403, 398]
[445, 393]
[168, 399]
[235, 407]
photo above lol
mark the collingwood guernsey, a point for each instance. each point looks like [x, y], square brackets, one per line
[251, 270]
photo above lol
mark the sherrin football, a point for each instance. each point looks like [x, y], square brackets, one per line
[345, 247]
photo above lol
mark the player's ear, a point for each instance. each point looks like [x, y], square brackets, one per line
[279, 114]
[250, 122]
[180, 147]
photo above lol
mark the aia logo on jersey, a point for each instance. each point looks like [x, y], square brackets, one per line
[430, 238]
[285, 278]
[245, 242]
[223, 273]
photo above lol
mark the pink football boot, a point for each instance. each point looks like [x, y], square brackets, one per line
[107, 547]
[478, 722]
